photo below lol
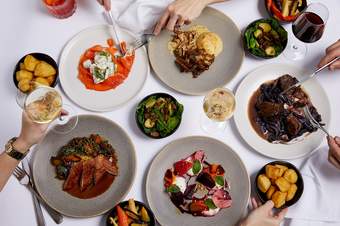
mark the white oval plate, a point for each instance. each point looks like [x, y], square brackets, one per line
[99, 100]
[279, 151]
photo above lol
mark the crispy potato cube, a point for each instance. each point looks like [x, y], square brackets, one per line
[50, 79]
[263, 183]
[22, 66]
[282, 184]
[23, 74]
[41, 81]
[272, 172]
[291, 176]
[30, 62]
[270, 192]
[44, 69]
[282, 169]
[291, 192]
[24, 85]
[279, 199]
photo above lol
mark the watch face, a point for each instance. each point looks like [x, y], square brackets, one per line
[12, 152]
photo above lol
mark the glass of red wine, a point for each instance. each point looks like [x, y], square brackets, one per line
[308, 28]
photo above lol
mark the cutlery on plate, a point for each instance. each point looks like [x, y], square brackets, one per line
[25, 179]
[141, 41]
[113, 25]
[312, 120]
[310, 76]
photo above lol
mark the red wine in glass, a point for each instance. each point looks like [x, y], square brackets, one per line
[308, 27]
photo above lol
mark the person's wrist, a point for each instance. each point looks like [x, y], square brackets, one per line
[21, 145]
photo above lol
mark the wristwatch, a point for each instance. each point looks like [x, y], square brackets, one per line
[10, 150]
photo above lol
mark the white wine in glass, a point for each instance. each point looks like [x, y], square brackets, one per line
[44, 104]
[218, 106]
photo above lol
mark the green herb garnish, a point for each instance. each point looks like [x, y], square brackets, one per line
[196, 168]
[210, 204]
[173, 189]
[219, 180]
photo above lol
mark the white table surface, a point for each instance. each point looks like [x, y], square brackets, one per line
[26, 27]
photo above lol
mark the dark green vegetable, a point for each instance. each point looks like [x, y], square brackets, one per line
[210, 204]
[159, 115]
[256, 40]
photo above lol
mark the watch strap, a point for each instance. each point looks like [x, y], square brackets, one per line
[10, 150]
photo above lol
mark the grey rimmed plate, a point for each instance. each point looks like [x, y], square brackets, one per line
[50, 188]
[165, 211]
[223, 70]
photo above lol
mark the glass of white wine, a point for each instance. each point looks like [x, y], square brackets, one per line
[218, 106]
[44, 104]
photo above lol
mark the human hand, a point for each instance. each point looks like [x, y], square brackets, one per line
[262, 215]
[334, 151]
[180, 12]
[331, 52]
[106, 4]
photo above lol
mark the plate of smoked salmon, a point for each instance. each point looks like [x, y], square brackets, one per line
[88, 171]
[96, 75]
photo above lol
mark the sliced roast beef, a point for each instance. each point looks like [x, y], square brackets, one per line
[74, 176]
[87, 175]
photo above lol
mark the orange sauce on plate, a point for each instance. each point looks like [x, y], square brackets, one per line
[123, 63]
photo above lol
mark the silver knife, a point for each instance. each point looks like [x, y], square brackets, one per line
[310, 76]
[37, 207]
[56, 216]
[113, 24]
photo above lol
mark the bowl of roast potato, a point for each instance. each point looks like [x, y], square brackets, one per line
[35, 68]
[280, 182]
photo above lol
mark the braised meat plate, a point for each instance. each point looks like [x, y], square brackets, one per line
[88, 166]
[279, 117]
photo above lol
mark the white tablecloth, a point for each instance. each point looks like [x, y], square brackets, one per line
[26, 27]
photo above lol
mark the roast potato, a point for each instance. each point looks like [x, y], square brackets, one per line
[271, 191]
[44, 69]
[282, 184]
[272, 172]
[41, 81]
[291, 192]
[279, 198]
[24, 85]
[30, 62]
[263, 183]
[291, 176]
[23, 74]
[50, 79]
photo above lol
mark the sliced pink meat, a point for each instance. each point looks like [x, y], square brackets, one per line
[100, 170]
[109, 167]
[199, 155]
[87, 175]
[221, 198]
[73, 176]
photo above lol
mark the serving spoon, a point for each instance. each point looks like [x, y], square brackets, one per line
[310, 76]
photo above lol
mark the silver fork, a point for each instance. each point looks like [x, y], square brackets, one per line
[24, 179]
[140, 41]
[312, 120]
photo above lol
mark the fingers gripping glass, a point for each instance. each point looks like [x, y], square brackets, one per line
[44, 104]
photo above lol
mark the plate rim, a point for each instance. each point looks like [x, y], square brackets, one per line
[135, 162]
[62, 60]
[209, 8]
[236, 120]
[163, 150]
